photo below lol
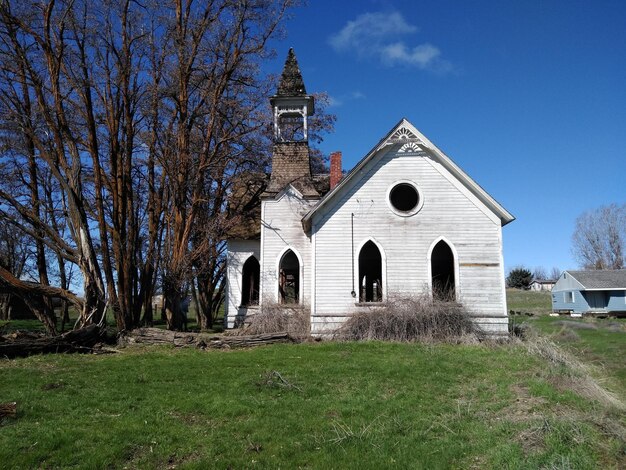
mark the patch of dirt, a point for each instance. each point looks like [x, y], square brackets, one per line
[193, 419]
[525, 408]
[532, 439]
[52, 386]
[175, 461]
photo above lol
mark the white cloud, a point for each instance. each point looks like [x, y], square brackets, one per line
[377, 35]
[421, 55]
[334, 101]
[369, 27]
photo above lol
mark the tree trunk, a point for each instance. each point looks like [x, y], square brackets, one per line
[172, 300]
[74, 341]
[201, 340]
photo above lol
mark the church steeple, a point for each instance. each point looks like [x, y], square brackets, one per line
[291, 160]
[291, 104]
[291, 83]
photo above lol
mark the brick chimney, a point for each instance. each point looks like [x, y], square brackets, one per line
[335, 169]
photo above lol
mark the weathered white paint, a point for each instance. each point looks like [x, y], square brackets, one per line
[281, 230]
[238, 252]
[452, 208]
[449, 211]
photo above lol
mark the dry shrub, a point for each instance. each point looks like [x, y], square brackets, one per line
[275, 318]
[567, 335]
[411, 319]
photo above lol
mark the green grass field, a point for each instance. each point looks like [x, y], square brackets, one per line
[599, 342]
[529, 301]
[319, 405]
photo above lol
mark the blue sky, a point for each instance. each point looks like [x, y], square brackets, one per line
[529, 98]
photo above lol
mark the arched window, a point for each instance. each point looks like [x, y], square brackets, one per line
[442, 270]
[289, 279]
[250, 282]
[370, 273]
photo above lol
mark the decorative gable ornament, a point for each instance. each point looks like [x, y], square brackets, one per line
[410, 142]
[410, 147]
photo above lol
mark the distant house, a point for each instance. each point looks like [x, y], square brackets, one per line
[590, 292]
[542, 284]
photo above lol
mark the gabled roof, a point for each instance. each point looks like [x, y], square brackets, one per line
[601, 279]
[405, 134]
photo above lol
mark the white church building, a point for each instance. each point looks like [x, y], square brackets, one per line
[406, 220]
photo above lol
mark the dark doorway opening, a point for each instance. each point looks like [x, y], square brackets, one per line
[442, 269]
[289, 279]
[250, 282]
[370, 273]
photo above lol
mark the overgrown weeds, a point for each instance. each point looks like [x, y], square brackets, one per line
[569, 372]
[274, 318]
[409, 319]
[274, 379]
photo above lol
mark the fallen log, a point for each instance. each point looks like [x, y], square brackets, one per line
[199, 340]
[81, 340]
[251, 340]
[8, 410]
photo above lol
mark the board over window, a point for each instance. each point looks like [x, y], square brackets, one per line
[289, 279]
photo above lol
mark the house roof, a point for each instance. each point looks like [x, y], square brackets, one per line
[404, 133]
[601, 279]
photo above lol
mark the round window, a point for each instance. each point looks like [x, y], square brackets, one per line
[404, 197]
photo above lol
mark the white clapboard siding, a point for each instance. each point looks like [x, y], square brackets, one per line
[449, 210]
[238, 252]
[281, 229]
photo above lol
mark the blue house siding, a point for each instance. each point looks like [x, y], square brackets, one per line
[617, 301]
[590, 301]
[579, 305]
[594, 291]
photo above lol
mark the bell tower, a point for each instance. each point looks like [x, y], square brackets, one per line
[291, 105]
[291, 161]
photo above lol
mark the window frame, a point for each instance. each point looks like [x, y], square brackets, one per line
[420, 198]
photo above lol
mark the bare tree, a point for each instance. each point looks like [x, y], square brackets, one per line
[14, 253]
[555, 273]
[123, 124]
[599, 239]
[540, 273]
[212, 97]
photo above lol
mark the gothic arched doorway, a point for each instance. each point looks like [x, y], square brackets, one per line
[250, 282]
[370, 273]
[442, 271]
[289, 279]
